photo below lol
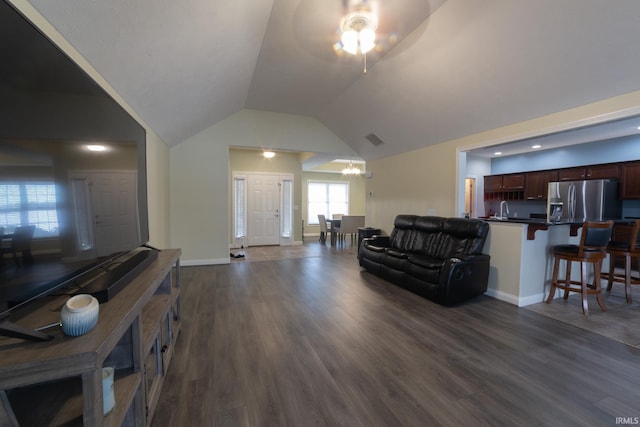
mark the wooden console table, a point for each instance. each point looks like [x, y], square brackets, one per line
[60, 381]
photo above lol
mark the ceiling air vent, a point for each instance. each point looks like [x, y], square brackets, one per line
[374, 139]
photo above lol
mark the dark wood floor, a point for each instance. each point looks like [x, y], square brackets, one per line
[315, 341]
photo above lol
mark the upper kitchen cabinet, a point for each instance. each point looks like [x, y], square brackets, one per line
[510, 182]
[572, 174]
[492, 183]
[538, 184]
[630, 180]
[513, 182]
[508, 187]
[606, 171]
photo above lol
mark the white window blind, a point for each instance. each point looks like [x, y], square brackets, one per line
[287, 208]
[29, 203]
[240, 218]
[326, 198]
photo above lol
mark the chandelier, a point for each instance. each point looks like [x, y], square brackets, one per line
[351, 170]
[359, 32]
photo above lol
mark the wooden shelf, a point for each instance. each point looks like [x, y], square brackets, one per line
[126, 387]
[152, 314]
[62, 378]
[57, 403]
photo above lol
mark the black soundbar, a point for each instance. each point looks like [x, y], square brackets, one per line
[106, 286]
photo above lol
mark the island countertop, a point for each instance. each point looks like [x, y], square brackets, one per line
[535, 224]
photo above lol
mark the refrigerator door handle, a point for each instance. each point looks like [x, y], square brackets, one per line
[572, 202]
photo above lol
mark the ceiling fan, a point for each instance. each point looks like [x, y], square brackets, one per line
[319, 26]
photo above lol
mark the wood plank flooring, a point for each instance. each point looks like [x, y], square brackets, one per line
[316, 341]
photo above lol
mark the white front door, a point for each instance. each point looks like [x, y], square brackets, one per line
[113, 202]
[263, 210]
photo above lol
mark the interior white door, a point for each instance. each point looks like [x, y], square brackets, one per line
[113, 202]
[263, 194]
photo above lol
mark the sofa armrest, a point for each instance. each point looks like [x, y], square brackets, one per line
[374, 244]
[462, 278]
[377, 241]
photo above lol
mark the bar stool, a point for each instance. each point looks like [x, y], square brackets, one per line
[592, 250]
[629, 249]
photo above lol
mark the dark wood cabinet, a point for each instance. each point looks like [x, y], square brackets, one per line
[630, 180]
[492, 183]
[608, 171]
[537, 184]
[572, 174]
[500, 183]
[533, 185]
[605, 171]
[514, 181]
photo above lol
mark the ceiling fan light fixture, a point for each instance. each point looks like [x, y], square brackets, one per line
[367, 40]
[358, 31]
[350, 42]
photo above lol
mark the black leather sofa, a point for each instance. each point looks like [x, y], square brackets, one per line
[438, 258]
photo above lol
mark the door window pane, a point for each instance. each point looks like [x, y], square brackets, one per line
[287, 208]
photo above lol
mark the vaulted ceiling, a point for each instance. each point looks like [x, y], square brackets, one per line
[443, 70]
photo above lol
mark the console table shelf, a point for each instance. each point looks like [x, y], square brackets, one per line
[60, 381]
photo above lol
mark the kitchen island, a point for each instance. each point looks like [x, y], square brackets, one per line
[521, 253]
[521, 267]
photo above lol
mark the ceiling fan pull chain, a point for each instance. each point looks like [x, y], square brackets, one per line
[364, 56]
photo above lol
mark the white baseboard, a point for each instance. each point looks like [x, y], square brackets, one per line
[283, 243]
[515, 300]
[534, 299]
[196, 262]
[502, 296]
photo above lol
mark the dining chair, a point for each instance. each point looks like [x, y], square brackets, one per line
[20, 242]
[591, 250]
[630, 250]
[336, 223]
[349, 226]
[336, 227]
[324, 230]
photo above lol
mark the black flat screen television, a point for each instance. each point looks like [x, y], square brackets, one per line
[72, 171]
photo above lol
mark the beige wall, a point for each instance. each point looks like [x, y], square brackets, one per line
[158, 191]
[201, 172]
[157, 150]
[420, 182]
[356, 194]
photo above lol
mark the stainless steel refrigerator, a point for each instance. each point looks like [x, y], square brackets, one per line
[579, 201]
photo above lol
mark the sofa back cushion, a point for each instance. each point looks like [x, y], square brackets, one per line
[462, 236]
[429, 234]
[438, 237]
[403, 234]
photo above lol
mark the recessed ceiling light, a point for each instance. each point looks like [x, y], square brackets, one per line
[638, 128]
[268, 154]
[535, 147]
[96, 147]
[498, 153]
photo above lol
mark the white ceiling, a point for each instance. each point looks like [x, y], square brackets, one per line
[460, 67]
